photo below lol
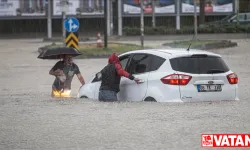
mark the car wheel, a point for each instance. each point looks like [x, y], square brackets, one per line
[150, 99]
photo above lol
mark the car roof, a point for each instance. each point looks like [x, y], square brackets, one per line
[172, 52]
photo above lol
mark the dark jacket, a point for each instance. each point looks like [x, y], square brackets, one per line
[111, 75]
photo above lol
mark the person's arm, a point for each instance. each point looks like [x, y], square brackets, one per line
[55, 71]
[122, 72]
[79, 75]
[80, 78]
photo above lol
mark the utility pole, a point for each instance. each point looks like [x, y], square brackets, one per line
[195, 19]
[64, 5]
[202, 12]
[108, 17]
[237, 11]
[153, 13]
[105, 24]
[49, 19]
[178, 26]
[111, 18]
[120, 17]
[142, 24]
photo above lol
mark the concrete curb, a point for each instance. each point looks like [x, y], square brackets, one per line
[86, 56]
[83, 39]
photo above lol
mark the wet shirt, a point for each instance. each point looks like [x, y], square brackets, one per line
[69, 71]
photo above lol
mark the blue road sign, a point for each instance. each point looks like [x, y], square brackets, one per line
[71, 24]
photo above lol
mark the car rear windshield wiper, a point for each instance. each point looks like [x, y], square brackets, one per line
[215, 71]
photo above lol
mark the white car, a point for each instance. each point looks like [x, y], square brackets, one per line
[172, 75]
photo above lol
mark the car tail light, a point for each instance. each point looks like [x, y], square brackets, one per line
[176, 79]
[232, 78]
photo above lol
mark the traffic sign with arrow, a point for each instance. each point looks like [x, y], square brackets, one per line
[71, 24]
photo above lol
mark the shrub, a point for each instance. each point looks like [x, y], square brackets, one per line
[210, 28]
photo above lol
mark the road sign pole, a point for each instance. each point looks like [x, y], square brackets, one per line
[64, 30]
[64, 4]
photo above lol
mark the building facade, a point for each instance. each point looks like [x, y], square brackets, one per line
[29, 17]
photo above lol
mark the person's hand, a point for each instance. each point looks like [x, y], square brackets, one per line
[137, 80]
[99, 75]
[59, 72]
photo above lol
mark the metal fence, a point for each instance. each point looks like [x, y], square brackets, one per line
[27, 18]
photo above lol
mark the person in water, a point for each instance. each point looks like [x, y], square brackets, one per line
[64, 72]
[110, 79]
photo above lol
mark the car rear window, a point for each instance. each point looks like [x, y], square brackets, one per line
[199, 65]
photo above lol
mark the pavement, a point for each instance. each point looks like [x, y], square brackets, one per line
[163, 37]
[30, 119]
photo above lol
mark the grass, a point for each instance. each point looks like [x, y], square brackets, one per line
[92, 49]
[185, 44]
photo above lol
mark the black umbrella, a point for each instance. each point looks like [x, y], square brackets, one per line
[57, 53]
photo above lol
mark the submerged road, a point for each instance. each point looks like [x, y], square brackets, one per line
[31, 119]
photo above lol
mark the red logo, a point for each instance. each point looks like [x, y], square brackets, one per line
[225, 140]
[207, 141]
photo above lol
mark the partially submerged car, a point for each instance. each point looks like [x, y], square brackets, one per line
[172, 75]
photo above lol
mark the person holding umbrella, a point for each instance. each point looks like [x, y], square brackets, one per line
[64, 70]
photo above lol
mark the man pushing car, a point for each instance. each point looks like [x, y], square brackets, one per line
[110, 79]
